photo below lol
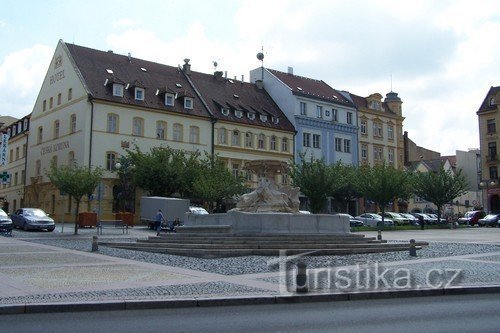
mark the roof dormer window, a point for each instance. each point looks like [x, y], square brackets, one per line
[224, 111]
[492, 101]
[251, 115]
[117, 89]
[139, 94]
[188, 103]
[238, 113]
[276, 120]
[263, 118]
[169, 99]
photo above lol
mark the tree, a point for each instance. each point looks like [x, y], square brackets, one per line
[440, 187]
[383, 184]
[314, 179]
[345, 184]
[215, 182]
[76, 182]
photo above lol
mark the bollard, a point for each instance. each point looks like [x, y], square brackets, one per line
[413, 249]
[301, 279]
[95, 246]
[379, 236]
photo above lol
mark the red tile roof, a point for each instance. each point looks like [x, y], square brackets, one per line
[311, 88]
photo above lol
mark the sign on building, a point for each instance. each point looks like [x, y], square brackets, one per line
[4, 149]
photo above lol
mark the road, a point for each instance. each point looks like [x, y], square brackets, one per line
[463, 313]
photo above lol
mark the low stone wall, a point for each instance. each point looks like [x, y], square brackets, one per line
[273, 223]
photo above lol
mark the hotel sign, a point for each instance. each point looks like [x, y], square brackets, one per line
[55, 147]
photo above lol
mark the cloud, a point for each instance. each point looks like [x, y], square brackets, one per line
[124, 23]
[21, 76]
[2, 24]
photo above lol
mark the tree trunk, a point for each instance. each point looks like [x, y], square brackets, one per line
[77, 208]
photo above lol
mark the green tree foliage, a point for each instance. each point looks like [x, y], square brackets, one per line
[215, 182]
[345, 186]
[440, 187]
[315, 180]
[76, 182]
[383, 184]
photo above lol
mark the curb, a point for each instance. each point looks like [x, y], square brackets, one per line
[237, 300]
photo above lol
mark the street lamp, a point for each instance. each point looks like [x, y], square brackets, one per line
[486, 184]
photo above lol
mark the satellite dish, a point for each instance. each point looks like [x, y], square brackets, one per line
[260, 56]
[186, 61]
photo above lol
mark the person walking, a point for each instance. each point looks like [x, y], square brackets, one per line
[421, 222]
[158, 222]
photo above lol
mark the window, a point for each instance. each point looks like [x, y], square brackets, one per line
[492, 151]
[236, 170]
[390, 132]
[284, 144]
[491, 126]
[238, 113]
[56, 129]
[17, 153]
[161, 130]
[284, 179]
[338, 144]
[117, 89]
[222, 136]
[327, 113]
[377, 129]
[378, 154]
[16, 178]
[363, 126]
[188, 103]
[19, 127]
[23, 176]
[364, 151]
[251, 115]
[306, 140]
[319, 111]
[261, 141]
[169, 99]
[138, 126]
[493, 172]
[54, 161]
[263, 118]
[72, 123]
[40, 134]
[24, 150]
[390, 155]
[316, 139]
[347, 146]
[51, 103]
[139, 94]
[11, 155]
[248, 140]
[44, 105]
[492, 101]
[110, 161]
[112, 125]
[272, 143]
[303, 109]
[194, 134]
[70, 94]
[59, 99]
[335, 114]
[38, 168]
[178, 132]
[349, 118]
[71, 158]
[235, 139]
[375, 105]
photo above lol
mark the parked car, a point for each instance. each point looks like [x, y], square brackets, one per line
[198, 210]
[490, 220]
[304, 212]
[440, 220]
[413, 219]
[397, 218]
[427, 218]
[5, 222]
[32, 218]
[353, 222]
[372, 220]
[471, 217]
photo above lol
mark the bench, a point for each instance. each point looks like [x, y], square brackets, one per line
[112, 224]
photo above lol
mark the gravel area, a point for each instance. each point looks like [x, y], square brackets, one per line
[259, 264]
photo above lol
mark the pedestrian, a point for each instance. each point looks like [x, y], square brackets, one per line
[421, 222]
[158, 222]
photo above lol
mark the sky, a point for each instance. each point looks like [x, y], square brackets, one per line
[441, 57]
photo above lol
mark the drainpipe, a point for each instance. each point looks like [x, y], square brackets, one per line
[91, 129]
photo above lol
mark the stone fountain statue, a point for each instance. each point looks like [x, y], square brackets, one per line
[268, 197]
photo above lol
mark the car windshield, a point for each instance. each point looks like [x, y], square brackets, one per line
[2, 213]
[469, 214]
[35, 212]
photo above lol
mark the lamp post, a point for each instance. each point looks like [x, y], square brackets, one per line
[486, 184]
[123, 168]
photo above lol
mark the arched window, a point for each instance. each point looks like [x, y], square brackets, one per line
[272, 143]
[262, 141]
[248, 140]
[235, 139]
[161, 130]
[110, 160]
[56, 129]
[222, 137]
[40, 134]
[194, 134]
[178, 129]
[138, 126]
[72, 126]
[284, 144]
[112, 124]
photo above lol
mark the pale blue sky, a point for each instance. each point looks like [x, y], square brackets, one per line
[442, 55]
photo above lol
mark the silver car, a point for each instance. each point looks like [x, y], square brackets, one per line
[372, 220]
[5, 222]
[32, 219]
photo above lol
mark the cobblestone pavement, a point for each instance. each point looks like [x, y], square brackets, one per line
[41, 267]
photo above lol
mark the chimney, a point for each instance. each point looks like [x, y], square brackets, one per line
[290, 70]
[259, 84]
[225, 74]
[129, 57]
[242, 78]
[218, 75]
[186, 68]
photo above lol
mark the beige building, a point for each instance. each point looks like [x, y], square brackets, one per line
[488, 116]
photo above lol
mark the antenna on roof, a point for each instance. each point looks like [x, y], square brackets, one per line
[129, 57]
[260, 56]
[215, 64]
[391, 81]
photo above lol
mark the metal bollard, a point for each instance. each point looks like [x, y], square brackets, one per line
[413, 249]
[95, 246]
[301, 279]
[379, 236]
